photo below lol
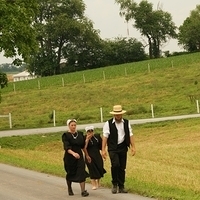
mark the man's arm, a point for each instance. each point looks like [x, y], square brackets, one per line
[132, 142]
[104, 144]
[106, 132]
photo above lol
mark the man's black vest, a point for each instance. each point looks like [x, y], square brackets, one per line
[113, 137]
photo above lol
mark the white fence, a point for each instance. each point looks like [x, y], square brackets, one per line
[9, 117]
[152, 114]
[101, 114]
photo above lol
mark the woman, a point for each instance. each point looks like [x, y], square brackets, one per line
[74, 164]
[94, 161]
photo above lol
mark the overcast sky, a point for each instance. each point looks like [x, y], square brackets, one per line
[105, 16]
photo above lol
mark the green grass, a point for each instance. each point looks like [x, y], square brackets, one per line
[171, 85]
[166, 164]
[99, 74]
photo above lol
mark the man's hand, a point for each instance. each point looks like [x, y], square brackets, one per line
[133, 151]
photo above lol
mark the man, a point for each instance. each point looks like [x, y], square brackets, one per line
[118, 136]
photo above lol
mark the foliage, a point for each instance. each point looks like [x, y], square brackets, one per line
[10, 68]
[123, 50]
[189, 32]
[3, 80]
[85, 52]
[63, 32]
[17, 36]
[156, 25]
[68, 42]
[65, 38]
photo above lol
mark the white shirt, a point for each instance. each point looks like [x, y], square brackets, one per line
[120, 129]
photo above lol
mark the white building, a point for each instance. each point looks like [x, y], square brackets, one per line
[25, 75]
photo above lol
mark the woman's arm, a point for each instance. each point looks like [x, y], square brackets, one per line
[85, 149]
[76, 155]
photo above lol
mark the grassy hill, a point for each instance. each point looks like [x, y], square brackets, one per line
[166, 164]
[171, 85]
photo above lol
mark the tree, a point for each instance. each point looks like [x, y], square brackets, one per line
[3, 82]
[85, 51]
[17, 36]
[189, 32]
[123, 50]
[62, 29]
[156, 25]
[9, 67]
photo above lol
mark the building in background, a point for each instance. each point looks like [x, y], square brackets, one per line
[22, 76]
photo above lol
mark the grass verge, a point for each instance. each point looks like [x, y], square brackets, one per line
[165, 167]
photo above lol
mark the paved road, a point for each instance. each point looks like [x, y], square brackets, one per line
[22, 184]
[96, 125]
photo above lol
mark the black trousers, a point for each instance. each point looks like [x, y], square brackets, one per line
[118, 160]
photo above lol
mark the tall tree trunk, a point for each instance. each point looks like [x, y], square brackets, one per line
[150, 47]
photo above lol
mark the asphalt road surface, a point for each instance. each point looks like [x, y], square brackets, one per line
[22, 184]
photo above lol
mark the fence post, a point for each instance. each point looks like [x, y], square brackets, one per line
[197, 102]
[10, 120]
[104, 77]
[38, 84]
[63, 83]
[14, 87]
[152, 112]
[125, 72]
[54, 118]
[149, 70]
[101, 112]
[83, 78]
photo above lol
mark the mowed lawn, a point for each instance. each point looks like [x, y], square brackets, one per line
[166, 165]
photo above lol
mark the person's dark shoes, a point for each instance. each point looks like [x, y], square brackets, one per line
[114, 189]
[84, 193]
[122, 190]
[70, 192]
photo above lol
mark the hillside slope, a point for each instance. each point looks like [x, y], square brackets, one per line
[170, 85]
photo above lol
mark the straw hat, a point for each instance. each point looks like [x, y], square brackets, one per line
[117, 110]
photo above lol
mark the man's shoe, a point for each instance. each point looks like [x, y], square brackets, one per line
[114, 189]
[122, 190]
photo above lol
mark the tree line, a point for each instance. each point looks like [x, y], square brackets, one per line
[55, 37]
[11, 68]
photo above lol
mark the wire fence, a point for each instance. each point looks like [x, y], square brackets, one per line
[105, 73]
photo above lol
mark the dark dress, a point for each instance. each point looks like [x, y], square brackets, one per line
[96, 169]
[75, 168]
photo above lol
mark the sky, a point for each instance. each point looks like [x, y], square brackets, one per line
[105, 16]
